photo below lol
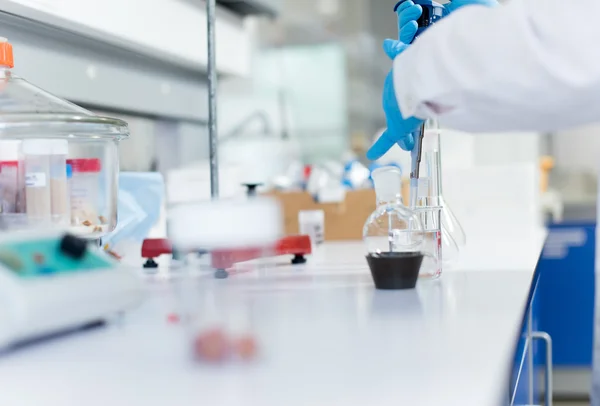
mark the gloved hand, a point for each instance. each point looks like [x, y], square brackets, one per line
[409, 13]
[399, 130]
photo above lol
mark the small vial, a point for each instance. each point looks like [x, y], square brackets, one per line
[69, 179]
[59, 190]
[312, 223]
[9, 175]
[36, 159]
[46, 191]
[85, 182]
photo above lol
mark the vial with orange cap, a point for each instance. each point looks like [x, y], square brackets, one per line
[12, 198]
[6, 54]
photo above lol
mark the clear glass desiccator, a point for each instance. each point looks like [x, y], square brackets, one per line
[72, 140]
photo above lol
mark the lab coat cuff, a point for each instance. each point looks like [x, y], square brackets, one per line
[410, 108]
[406, 95]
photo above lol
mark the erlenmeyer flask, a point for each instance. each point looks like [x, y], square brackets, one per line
[449, 220]
[430, 193]
[451, 225]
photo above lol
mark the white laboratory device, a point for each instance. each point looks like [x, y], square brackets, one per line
[54, 283]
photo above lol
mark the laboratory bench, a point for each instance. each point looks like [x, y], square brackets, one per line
[326, 337]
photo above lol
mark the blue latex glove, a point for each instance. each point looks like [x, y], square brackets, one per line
[409, 13]
[399, 130]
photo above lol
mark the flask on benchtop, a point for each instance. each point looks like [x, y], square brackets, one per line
[393, 234]
[428, 197]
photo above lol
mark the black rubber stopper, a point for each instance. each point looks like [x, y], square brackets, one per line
[73, 246]
[395, 270]
[221, 274]
[251, 188]
[298, 259]
[150, 263]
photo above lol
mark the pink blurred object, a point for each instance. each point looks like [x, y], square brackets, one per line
[246, 348]
[173, 318]
[307, 172]
[212, 346]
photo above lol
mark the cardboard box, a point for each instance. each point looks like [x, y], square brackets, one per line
[344, 221]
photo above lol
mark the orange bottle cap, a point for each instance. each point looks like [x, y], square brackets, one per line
[6, 53]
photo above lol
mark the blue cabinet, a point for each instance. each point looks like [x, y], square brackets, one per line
[525, 386]
[531, 379]
[566, 289]
[561, 306]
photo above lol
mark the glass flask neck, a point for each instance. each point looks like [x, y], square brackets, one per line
[389, 201]
[434, 126]
[430, 169]
[387, 182]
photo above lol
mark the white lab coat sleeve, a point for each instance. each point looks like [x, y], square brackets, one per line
[529, 65]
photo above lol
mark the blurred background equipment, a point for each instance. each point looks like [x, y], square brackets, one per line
[52, 283]
[305, 73]
[141, 205]
[299, 104]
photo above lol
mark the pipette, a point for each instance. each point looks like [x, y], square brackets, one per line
[415, 157]
[432, 12]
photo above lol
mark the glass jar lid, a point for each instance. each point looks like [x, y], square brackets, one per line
[27, 110]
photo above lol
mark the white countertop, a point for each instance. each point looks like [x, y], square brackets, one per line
[327, 337]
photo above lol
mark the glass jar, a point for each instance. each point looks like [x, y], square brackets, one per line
[54, 135]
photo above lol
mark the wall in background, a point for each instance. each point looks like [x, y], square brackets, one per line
[170, 31]
[508, 148]
[577, 149]
[299, 90]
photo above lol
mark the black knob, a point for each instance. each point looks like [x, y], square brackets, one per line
[251, 188]
[73, 246]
